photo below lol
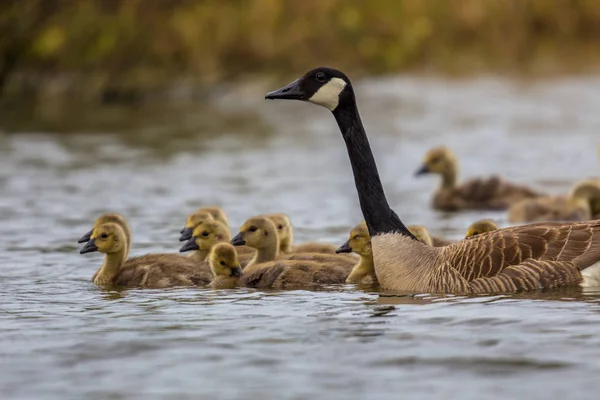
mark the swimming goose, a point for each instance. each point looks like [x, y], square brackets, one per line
[582, 203]
[528, 257]
[225, 266]
[148, 271]
[360, 243]
[260, 233]
[492, 193]
[210, 233]
[285, 232]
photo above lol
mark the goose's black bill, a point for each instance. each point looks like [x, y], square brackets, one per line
[89, 247]
[189, 245]
[293, 91]
[186, 234]
[86, 237]
[423, 170]
[237, 272]
[238, 240]
[345, 248]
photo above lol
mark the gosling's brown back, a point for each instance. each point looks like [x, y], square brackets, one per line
[491, 193]
[314, 247]
[292, 274]
[163, 270]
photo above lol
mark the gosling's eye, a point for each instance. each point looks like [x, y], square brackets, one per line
[222, 263]
[320, 76]
[253, 229]
[280, 227]
[356, 237]
[104, 235]
[205, 233]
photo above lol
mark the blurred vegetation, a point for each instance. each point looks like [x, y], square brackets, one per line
[103, 44]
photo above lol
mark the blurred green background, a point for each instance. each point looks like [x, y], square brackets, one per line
[105, 49]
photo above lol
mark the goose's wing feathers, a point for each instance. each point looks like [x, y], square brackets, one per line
[490, 254]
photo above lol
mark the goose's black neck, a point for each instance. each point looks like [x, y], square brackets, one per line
[380, 218]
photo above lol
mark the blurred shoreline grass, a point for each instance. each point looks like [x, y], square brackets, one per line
[104, 50]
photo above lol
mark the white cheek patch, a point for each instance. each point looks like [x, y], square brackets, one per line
[329, 94]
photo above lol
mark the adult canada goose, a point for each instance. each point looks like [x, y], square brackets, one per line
[285, 232]
[582, 203]
[225, 266]
[360, 243]
[521, 258]
[209, 234]
[149, 271]
[492, 193]
[261, 234]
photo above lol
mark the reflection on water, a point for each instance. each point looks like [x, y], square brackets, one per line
[64, 338]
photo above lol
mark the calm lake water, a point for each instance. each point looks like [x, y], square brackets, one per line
[64, 338]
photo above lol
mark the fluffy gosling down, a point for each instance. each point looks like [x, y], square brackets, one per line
[528, 257]
[491, 193]
[267, 270]
[261, 234]
[209, 234]
[285, 231]
[225, 266]
[360, 243]
[148, 271]
[581, 204]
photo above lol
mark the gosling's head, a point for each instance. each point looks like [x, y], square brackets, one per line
[481, 226]
[192, 221]
[589, 191]
[217, 213]
[257, 232]
[103, 219]
[106, 238]
[421, 233]
[206, 235]
[438, 160]
[359, 241]
[323, 86]
[224, 261]
[282, 224]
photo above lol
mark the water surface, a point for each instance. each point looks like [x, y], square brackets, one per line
[64, 338]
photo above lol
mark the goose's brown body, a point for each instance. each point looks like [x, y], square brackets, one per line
[529, 257]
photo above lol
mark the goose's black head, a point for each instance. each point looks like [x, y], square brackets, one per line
[324, 86]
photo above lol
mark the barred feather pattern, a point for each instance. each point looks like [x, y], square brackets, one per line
[520, 258]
